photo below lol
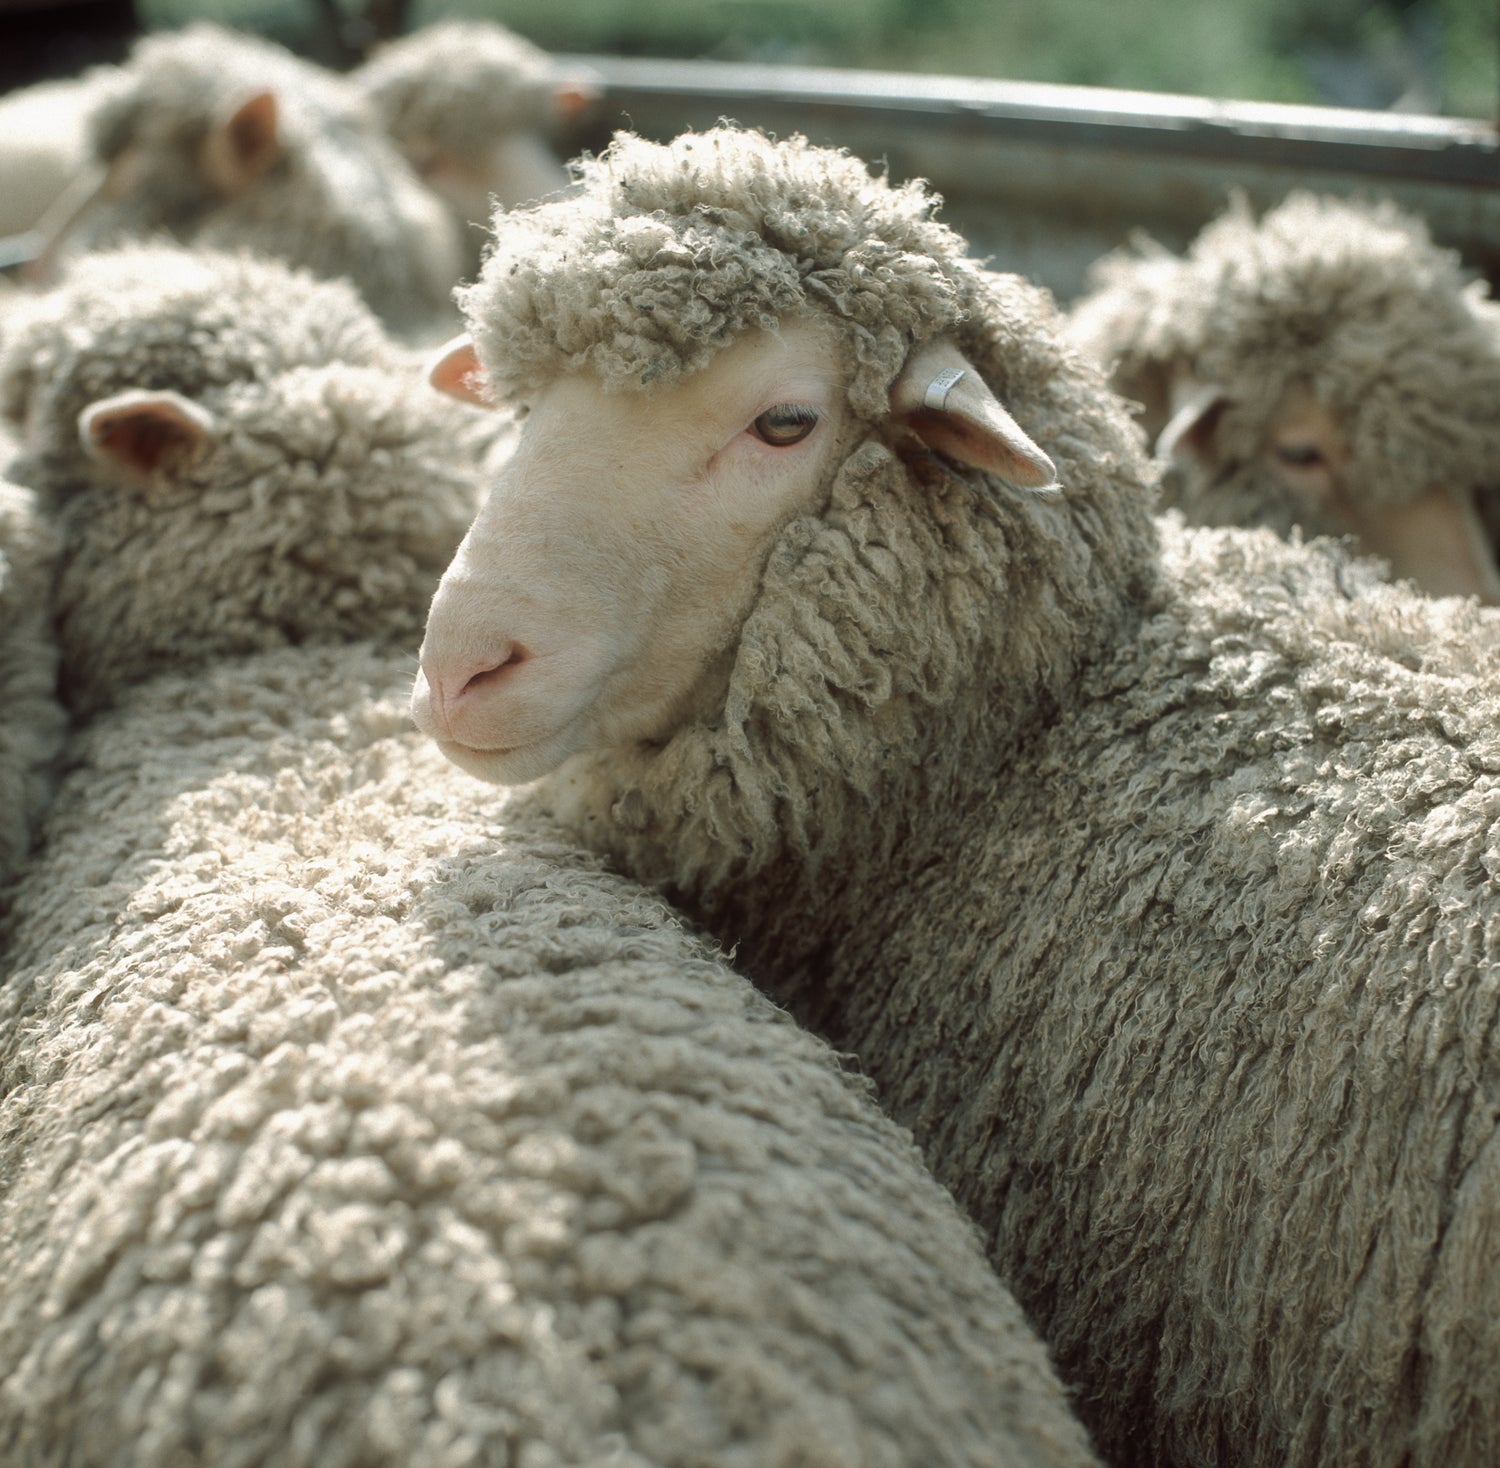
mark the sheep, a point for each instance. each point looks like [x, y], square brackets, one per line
[32, 721]
[339, 1123]
[1159, 904]
[44, 145]
[229, 142]
[1328, 367]
[473, 108]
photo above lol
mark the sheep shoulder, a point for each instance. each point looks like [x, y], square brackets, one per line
[1255, 855]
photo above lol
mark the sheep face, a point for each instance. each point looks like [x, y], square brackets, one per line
[597, 600]
[1327, 368]
[1293, 465]
[661, 508]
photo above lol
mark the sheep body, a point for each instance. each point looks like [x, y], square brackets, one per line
[1148, 870]
[386, 1134]
[321, 187]
[341, 1126]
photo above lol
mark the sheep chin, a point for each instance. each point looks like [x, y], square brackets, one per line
[519, 765]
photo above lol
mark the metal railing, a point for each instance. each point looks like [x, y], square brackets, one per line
[1045, 178]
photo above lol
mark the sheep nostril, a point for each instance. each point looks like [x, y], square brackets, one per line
[488, 677]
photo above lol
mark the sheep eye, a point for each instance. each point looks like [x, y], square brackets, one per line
[785, 424]
[1299, 455]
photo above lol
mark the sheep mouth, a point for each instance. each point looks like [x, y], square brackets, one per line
[516, 764]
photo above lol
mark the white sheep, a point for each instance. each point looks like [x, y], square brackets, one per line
[474, 108]
[1326, 367]
[342, 1124]
[1156, 891]
[32, 721]
[44, 145]
[226, 141]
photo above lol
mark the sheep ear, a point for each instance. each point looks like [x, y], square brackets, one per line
[574, 96]
[941, 399]
[455, 370]
[245, 144]
[149, 438]
[1189, 433]
[1437, 540]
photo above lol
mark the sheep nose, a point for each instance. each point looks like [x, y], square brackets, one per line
[446, 686]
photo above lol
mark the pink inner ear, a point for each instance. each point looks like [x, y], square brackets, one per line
[252, 131]
[238, 150]
[967, 422]
[456, 371]
[994, 447]
[573, 96]
[145, 439]
[1189, 434]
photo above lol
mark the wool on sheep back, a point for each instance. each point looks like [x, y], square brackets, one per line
[226, 141]
[1149, 871]
[342, 1124]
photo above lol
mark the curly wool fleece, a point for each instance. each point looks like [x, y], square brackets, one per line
[1163, 910]
[672, 251]
[1353, 301]
[32, 722]
[342, 1125]
[338, 201]
[459, 84]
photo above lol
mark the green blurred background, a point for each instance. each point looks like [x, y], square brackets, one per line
[1429, 56]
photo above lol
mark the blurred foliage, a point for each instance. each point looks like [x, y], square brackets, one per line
[1420, 55]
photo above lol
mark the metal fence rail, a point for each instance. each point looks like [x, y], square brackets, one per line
[1045, 178]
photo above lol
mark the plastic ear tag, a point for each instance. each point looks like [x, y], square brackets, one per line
[936, 396]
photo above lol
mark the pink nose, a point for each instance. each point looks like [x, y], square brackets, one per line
[452, 685]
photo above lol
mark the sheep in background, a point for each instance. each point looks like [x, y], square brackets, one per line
[226, 141]
[32, 722]
[44, 145]
[1327, 367]
[474, 107]
[1162, 907]
[341, 1124]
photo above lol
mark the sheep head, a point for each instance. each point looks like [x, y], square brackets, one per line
[221, 140]
[199, 117]
[472, 106]
[148, 318]
[1326, 367]
[667, 505]
[233, 461]
[758, 551]
[1304, 471]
